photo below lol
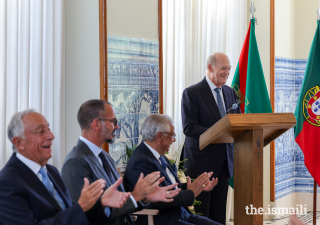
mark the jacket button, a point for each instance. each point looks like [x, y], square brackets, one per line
[179, 220]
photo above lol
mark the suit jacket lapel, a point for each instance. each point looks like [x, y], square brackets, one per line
[227, 98]
[146, 150]
[58, 189]
[93, 160]
[32, 179]
[172, 170]
[209, 99]
[114, 170]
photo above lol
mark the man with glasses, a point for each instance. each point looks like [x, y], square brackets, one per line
[33, 192]
[157, 135]
[98, 124]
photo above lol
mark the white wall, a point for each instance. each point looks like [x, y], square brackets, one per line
[128, 18]
[305, 26]
[133, 18]
[82, 61]
[285, 28]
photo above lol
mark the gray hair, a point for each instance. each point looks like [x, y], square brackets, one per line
[16, 126]
[153, 124]
[212, 59]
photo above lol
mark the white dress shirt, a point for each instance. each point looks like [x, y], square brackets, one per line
[212, 87]
[32, 165]
[96, 151]
[157, 155]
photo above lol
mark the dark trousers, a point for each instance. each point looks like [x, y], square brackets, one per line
[214, 203]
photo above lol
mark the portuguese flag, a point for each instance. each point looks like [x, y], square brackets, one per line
[307, 113]
[248, 80]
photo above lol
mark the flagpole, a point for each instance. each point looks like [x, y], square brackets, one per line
[252, 9]
[314, 202]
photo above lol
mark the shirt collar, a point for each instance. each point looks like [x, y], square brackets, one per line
[35, 167]
[95, 149]
[211, 85]
[154, 152]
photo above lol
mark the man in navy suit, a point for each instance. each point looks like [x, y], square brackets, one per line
[157, 135]
[32, 191]
[204, 104]
[98, 124]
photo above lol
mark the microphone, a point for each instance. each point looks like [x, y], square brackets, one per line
[234, 105]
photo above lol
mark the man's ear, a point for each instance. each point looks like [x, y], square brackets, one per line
[159, 136]
[95, 124]
[19, 143]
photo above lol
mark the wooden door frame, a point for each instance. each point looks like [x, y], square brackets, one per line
[272, 95]
[103, 53]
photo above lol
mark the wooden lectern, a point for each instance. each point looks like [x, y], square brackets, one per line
[249, 133]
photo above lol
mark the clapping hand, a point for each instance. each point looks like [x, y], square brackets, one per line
[114, 198]
[198, 184]
[90, 193]
[143, 185]
[162, 194]
[210, 184]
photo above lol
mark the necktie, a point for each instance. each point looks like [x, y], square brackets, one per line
[221, 107]
[220, 103]
[107, 168]
[48, 184]
[163, 163]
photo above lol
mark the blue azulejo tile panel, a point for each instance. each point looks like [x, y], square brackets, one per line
[118, 150]
[291, 173]
[149, 101]
[128, 100]
[298, 154]
[284, 188]
[301, 171]
[285, 172]
[128, 125]
[124, 100]
[133, 88]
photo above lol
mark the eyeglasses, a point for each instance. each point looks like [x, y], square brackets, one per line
[173, 135]
[114, 121]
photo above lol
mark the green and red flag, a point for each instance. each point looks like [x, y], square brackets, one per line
[307, 113]
[248, 80]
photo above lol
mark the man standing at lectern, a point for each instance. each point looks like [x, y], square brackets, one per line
[204, 104]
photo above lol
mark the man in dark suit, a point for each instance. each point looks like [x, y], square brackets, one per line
[157, 135]
[32, 191]
[204, 104]
[87, 159]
